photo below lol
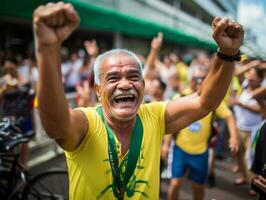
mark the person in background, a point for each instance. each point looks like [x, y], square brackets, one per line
[190, 151]
[17, 102]
[71, 72]
[248, 118]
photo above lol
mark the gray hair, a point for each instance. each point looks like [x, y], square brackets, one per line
[115, 52]
[193, 69]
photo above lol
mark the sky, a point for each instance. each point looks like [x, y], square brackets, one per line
[252, 14]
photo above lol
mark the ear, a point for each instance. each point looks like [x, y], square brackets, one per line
[98, 92]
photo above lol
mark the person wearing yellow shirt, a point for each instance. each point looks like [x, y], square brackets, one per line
[113, 150]
[190, 151]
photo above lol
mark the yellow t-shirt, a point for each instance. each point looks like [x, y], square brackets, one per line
[235, 86]
[194, 138]
[182, 71]
[89, 169]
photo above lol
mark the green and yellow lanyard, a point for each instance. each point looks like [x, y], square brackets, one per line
[119, 182]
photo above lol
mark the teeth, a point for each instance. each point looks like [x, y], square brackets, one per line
[124, 96]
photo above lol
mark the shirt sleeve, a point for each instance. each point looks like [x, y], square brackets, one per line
[94, 122]
[158, 109]
[223, 111]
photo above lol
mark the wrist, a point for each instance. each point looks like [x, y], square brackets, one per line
[233, 138]
[228, 51]
[40, 47]
[155, 48]
[165, 146]
[228, 56]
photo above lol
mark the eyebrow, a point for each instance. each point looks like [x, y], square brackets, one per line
[112, 73]
[131, 71]
[134, 71]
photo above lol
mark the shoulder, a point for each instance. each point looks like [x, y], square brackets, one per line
[223, 110]
[91, 115]
[152, 108]
[154, 111]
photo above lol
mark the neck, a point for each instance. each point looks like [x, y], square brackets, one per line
[120, 127]
[123, 131]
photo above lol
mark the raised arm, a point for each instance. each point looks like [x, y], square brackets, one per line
[53, 23]
[241, 70]
[156, 45]
[184, 111]
[259, 92]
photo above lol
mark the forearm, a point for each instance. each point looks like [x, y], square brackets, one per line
[241, 70]
[231, 126]
[259, 92]
[262, 105]
[216, 83]
[255, 109]
[53, 105]
[167, 140]
[150, 62]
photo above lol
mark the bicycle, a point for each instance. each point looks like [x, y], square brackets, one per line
[16, 183]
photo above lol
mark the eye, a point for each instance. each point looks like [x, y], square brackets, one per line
[134, 77]
[112, 79]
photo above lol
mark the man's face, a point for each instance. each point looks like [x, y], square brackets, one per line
[122, 87]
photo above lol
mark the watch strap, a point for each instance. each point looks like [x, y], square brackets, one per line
[229, 58]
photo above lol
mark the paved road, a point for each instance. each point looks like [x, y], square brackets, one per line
[225, 189]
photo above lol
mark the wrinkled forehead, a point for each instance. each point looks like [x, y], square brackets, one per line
[119, 61]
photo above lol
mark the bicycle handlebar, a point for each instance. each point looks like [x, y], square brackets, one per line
[11, 135]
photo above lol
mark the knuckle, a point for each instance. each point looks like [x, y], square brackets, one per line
[50, 4]
[37, 10]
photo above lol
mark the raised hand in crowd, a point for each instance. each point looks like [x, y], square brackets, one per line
[156, 45]
[91, 48]
[84, 94]
[228, 35]
[244, 68]
[157, 41]
[53, 23]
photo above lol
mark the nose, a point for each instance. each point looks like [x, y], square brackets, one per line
[124, 84]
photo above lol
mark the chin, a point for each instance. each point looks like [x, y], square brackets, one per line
[125, 114]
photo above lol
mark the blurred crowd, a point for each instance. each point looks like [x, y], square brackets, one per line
[232, 126]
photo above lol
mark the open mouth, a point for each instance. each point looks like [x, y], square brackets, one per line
[129, 98]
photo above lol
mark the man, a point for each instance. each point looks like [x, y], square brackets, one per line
[95, 169]
[190, 152]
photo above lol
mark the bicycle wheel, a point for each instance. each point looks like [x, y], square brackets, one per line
[51, 185]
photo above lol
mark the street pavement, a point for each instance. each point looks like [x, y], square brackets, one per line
[224, 190]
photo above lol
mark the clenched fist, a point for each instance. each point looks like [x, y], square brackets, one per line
[228, 35]
[54, 22]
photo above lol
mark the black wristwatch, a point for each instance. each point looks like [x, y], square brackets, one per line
[229, 58]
